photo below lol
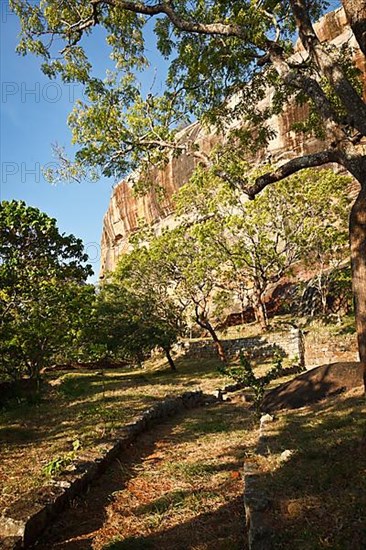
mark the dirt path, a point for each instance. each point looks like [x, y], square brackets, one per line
[179, 487]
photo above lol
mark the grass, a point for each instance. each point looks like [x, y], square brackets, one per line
[319, 494]
[91, 408]
[180, 488]
[84, 406]
[187, 481]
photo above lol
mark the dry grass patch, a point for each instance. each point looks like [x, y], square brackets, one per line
[188, 492]
[179, 487]
[82, 406]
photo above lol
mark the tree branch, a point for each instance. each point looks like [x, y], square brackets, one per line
[291, 167]
[296, 78]
[351, 101]
[166, 8]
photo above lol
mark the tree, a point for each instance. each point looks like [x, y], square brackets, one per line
[180, 273]
[127, 325]
[188, 270]
[258, 242]
[240, 49]
[43, 298]
[142, 274]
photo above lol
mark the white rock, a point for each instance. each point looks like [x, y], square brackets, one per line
[266, 418]
[286, 455]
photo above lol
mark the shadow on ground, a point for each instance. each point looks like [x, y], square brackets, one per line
[313, 385]
[221, 529]
[319, 496]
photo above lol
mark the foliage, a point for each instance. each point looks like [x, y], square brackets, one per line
[244, 374]
[43, 297]
[181, 270]
[240, 49]
[129, 326]
[258, 242]
[57, 464]
[236, 65]
[340, 299]
[143, 272]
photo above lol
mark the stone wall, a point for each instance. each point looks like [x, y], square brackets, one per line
[287, 344]
[322, 347]
[309, 349]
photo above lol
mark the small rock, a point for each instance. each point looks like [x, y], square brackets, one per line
[61, 483]
[266, 418]
[286, 455]
[11, 527]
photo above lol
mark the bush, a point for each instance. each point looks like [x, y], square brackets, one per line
[244, 374]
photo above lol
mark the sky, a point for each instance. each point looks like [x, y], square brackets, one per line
[33, 113]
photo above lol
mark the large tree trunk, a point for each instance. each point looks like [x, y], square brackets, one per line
[356, 15]
[357, 231]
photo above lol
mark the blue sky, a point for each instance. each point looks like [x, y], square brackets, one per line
[33, 116]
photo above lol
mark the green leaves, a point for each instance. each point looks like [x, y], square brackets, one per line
[44, 297]
[255, 243]
[130, 321]
[211, 48]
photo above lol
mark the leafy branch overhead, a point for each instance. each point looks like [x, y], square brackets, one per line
[240, 49]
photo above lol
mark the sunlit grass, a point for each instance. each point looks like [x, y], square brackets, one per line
[188, 489]
[88, 406]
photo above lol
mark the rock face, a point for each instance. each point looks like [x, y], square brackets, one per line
[126, 208]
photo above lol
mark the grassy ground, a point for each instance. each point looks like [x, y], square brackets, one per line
[183, 483]
[179, 487]
[319, 494]
[87, 407]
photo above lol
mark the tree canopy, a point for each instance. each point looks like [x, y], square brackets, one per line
[44, 296]
[239, 51]
[134, 313]
[256, 243]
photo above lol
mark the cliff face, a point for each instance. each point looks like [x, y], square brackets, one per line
[126, 209]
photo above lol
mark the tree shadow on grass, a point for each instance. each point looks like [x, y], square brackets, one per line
[319, 495]
[77, 404]
[313, 385]
[223, 529]
[75, 529]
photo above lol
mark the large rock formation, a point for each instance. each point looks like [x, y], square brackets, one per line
[126, 209]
